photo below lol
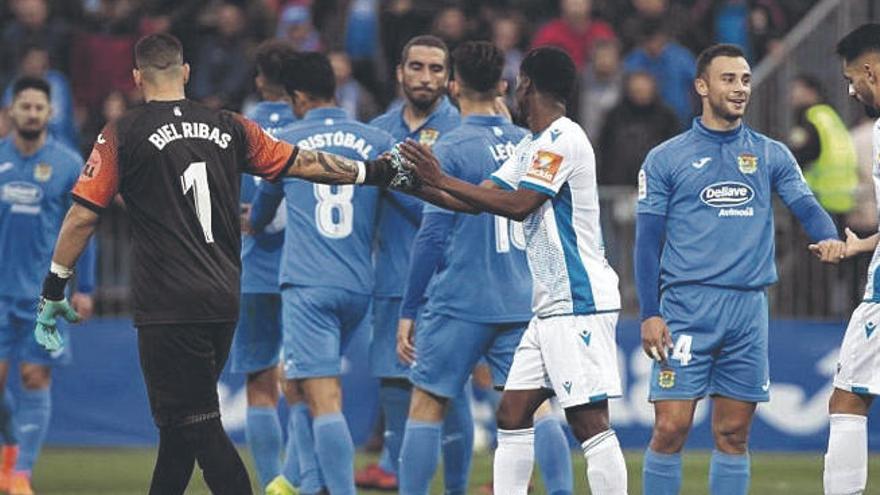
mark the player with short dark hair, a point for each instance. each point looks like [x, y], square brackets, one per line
[176, 164]
[37, 172]
[326, 270]
[569, 348]
[425, 115]
[256, 347]
[486, 317]
[856, 383]
[704, 257]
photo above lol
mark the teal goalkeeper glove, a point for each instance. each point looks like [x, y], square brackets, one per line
[46, 331]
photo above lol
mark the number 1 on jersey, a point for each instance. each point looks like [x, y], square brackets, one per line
[507, 233]
[195, 177]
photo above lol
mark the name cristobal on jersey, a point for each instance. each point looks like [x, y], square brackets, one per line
[400, 214]
[715, 190]
[329, 225]
[484, 276]
[872, 294]
[261, 253]
[563, 238]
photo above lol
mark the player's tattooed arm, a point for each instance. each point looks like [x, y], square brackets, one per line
[76, 230]
[326, 168]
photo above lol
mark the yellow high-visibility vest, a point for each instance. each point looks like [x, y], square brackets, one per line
[834, 176]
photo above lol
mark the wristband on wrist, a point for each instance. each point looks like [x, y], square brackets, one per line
[53, 287]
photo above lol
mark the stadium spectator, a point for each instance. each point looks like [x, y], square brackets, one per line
[400, 21]
[451, 25]
[601, 84]
[35, 62]
[222, 67]
[575, 31]
[507, 36]
[823, 146]
[32, 25]
[295, 26]
[351, 96]
[638, 123]
[672, 66]
[673, 14]
[101, 54]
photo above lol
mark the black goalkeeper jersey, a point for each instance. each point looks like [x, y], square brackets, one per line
[176, 165]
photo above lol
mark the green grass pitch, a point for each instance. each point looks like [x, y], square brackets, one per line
[127, 471]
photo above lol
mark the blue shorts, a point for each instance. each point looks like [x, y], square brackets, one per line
[720, 345]
[319, 322]
[257, 342]
[384, 362]
[447, 349]
[17, 322]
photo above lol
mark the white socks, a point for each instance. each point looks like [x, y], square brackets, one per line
[514, 458]
[846, 462]
[606, 469]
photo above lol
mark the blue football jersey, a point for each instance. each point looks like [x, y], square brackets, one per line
[34, 198]
[261, 253]
[485, 275]
[399, 214]
[329, 234]
[715, 188]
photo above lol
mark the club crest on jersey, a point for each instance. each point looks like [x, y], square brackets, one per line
[545, 166]
[748, 163]
[428, 136]
[666, 379]
[42, 172]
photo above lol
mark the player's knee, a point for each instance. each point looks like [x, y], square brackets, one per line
[35, 377]
[263, 389]
[844, 402]
[512, 417]
[425, 406]
[669, 435]
[731, 438]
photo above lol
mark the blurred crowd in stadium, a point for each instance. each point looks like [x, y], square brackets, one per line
[636, 57]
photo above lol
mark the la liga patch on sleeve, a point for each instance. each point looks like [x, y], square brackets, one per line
[544, 166]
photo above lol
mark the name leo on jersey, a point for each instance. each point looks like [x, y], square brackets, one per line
[338, 138]
[188, 130]
[501, 152]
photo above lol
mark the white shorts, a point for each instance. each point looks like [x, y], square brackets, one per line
[575, 356]
[858, 367]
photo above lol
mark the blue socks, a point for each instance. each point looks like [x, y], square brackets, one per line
[34, 409]
[419, 456]
[661, 474]
[458, 445]
[395, 407]
[729, 474]
[264, 438]
[335, 451]
[301, 464]
[553, 456]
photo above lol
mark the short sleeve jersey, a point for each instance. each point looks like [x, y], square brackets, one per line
[564, 244]
[176, 165]
[486, 251]
[261, 253]
[715, 190]
[397, 231]
[872, 289]
[34, 197]
[330, 228]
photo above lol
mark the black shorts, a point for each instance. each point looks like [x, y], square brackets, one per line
[181, 365]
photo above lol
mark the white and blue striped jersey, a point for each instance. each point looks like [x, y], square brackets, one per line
[872, 294]
[563, 238]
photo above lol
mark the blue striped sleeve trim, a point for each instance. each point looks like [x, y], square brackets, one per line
[502, 183]
[536, 187]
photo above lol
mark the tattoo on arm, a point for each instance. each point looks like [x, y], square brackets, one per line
[325, 168]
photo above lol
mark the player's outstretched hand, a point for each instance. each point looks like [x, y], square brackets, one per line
[422, 158]
[406, 349]
[656, 339]
[46, 332]
[829, 250]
